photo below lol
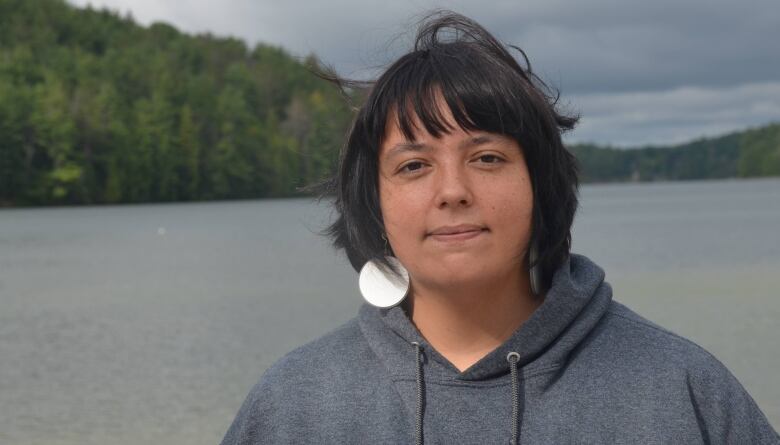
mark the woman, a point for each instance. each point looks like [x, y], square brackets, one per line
[456, 198]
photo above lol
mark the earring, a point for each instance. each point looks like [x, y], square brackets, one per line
[534, 272]
[380, 288]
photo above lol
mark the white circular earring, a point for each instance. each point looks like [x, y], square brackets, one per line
[383, 289]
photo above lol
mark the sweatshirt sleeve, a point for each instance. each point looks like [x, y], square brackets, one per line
[726, 413]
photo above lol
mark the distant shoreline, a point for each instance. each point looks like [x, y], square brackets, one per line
[5, 206]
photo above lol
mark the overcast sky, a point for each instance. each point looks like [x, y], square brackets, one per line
[638, 72]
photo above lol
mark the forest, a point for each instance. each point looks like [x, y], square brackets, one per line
[750, 153]
[95, 108]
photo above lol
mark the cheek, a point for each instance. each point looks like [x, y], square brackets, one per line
[401, 212]
[398, 208]
[512, 205]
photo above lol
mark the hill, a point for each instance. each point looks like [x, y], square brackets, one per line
[97, 109]
[749, 153]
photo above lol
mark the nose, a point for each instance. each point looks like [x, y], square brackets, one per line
[453, 187]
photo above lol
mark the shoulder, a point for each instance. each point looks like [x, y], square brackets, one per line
[659, 350]
[631, 349]
[657, 342]
[678, 372]
[319, 364]
[305, 388]
[335, 354]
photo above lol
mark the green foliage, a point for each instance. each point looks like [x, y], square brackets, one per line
[754, 152]
[97, 109]
[760, 152]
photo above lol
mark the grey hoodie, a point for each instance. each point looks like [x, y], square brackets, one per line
[583, 369]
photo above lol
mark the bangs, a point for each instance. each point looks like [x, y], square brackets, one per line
[419, 84]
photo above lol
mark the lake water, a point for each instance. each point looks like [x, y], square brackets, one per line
[149, 323]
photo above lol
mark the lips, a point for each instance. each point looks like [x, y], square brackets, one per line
[461, 229]
[449, 230]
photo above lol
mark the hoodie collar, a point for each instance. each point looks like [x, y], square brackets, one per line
[575, 302]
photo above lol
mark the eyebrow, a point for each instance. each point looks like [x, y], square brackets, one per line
[417, 146]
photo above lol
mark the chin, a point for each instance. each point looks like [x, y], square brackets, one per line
[457, 277]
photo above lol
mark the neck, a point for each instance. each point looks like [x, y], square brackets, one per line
[467, 322]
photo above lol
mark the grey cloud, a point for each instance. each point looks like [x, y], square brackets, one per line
[673, 116]
[633, 67]
[586, 46]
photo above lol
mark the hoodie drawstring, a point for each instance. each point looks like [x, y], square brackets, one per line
[512, 358]
[418, 358]
[515, 394]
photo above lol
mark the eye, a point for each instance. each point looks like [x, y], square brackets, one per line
[411, 167]
[490, 159]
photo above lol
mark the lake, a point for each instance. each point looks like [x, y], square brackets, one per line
[150, 323]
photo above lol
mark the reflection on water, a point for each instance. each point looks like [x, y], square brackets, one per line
[149, 323]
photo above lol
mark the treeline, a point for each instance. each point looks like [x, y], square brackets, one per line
[755, 152]
[97, 109]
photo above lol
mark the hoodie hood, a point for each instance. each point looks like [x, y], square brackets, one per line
[574, 304]
[577, 299]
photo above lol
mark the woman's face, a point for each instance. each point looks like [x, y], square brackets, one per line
[458, 209]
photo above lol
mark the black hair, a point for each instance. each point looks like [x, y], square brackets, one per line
[486, 89]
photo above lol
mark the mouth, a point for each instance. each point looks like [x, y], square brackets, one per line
[457, 233]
